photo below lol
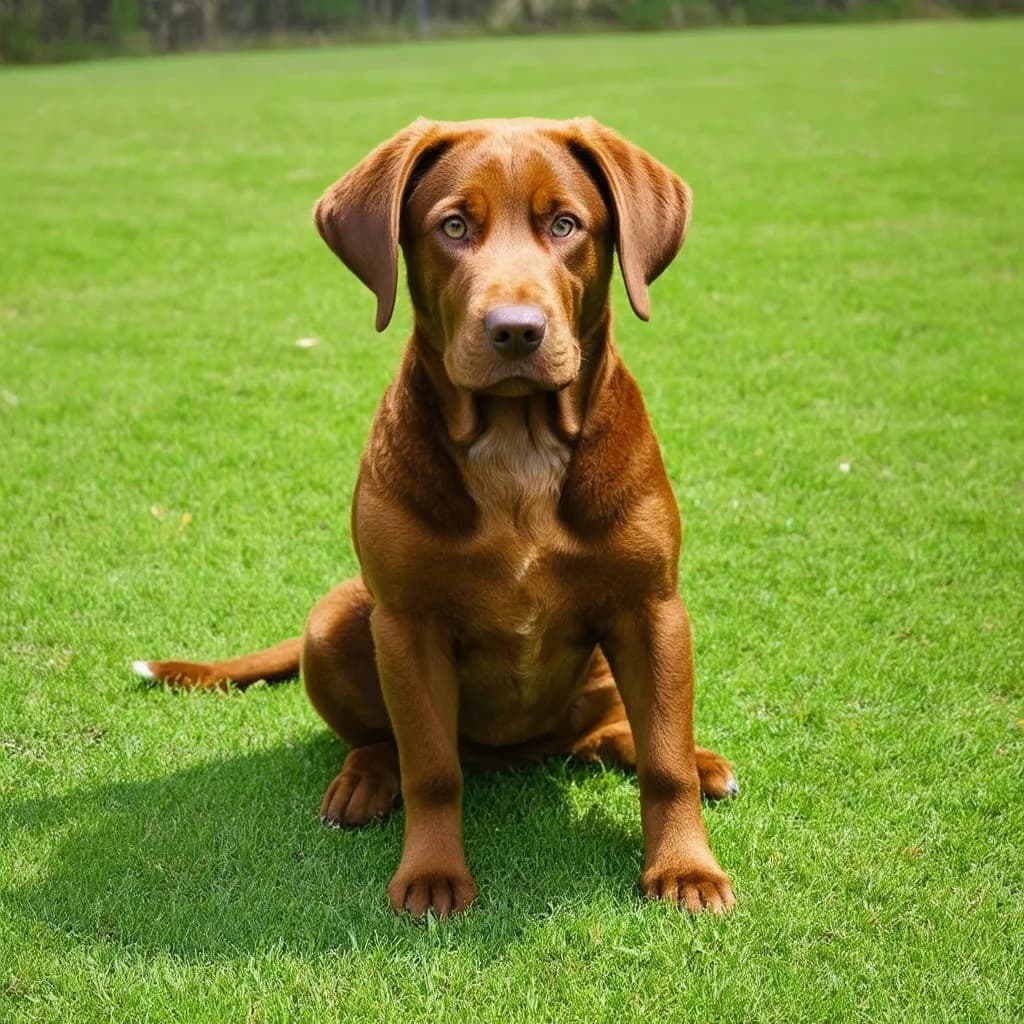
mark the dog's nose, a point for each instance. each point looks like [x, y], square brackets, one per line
[515, 331]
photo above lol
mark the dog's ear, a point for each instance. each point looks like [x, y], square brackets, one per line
[358, 216]
[651, 205]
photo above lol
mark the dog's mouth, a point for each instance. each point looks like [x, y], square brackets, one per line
[518, 387]
[476, 367]
[515, 380]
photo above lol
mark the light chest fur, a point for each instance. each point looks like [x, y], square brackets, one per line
[515, 472]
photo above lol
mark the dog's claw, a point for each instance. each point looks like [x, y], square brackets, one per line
[694, 889]
[357, 796]
[716, 778]
[442, 893]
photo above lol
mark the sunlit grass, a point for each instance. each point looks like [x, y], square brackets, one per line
[834, 370]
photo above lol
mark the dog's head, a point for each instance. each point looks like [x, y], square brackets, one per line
[508, 229]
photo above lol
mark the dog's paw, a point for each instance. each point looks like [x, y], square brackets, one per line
[355, 798]
[695, 888]
[444, 892]
[716, 776]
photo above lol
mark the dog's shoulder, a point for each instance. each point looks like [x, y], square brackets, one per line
[617, 475]
[409, 461]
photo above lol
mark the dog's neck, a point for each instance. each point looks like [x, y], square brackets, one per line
[516, 467]
[514, 454]
[413, 457]
[461, 409]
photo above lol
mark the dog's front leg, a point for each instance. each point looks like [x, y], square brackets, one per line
[651, 656]
[417, 679]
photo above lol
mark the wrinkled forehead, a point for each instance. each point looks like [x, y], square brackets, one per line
[511, 171]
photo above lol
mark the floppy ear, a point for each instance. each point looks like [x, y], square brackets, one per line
[358, 216]
[651, 205]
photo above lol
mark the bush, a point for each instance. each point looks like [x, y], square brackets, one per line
[34, 30]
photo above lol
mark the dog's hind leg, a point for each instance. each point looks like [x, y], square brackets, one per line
[366, 788]
[607, 737]
[339, 671]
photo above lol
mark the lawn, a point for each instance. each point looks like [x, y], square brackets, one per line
[834, 368]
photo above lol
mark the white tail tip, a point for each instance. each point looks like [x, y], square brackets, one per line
[141, 668]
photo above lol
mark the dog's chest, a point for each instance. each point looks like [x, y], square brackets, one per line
[521, 647]
[515, 472]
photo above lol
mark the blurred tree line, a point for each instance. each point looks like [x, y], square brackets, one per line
[32, 30]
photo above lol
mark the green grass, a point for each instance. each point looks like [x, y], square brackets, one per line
[175, 477]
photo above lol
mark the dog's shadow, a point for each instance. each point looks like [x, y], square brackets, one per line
[231, 856]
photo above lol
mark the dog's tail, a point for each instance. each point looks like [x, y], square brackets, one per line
[275, 663]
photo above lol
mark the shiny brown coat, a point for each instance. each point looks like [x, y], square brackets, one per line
[516, 532]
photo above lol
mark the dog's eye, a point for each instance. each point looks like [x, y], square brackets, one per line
[454, 227]
[563, 226]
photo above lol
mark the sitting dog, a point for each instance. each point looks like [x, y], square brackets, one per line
[516, 532]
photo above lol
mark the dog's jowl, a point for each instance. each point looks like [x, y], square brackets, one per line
[517, 536]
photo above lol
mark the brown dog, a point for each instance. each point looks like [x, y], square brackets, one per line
[517, 534]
